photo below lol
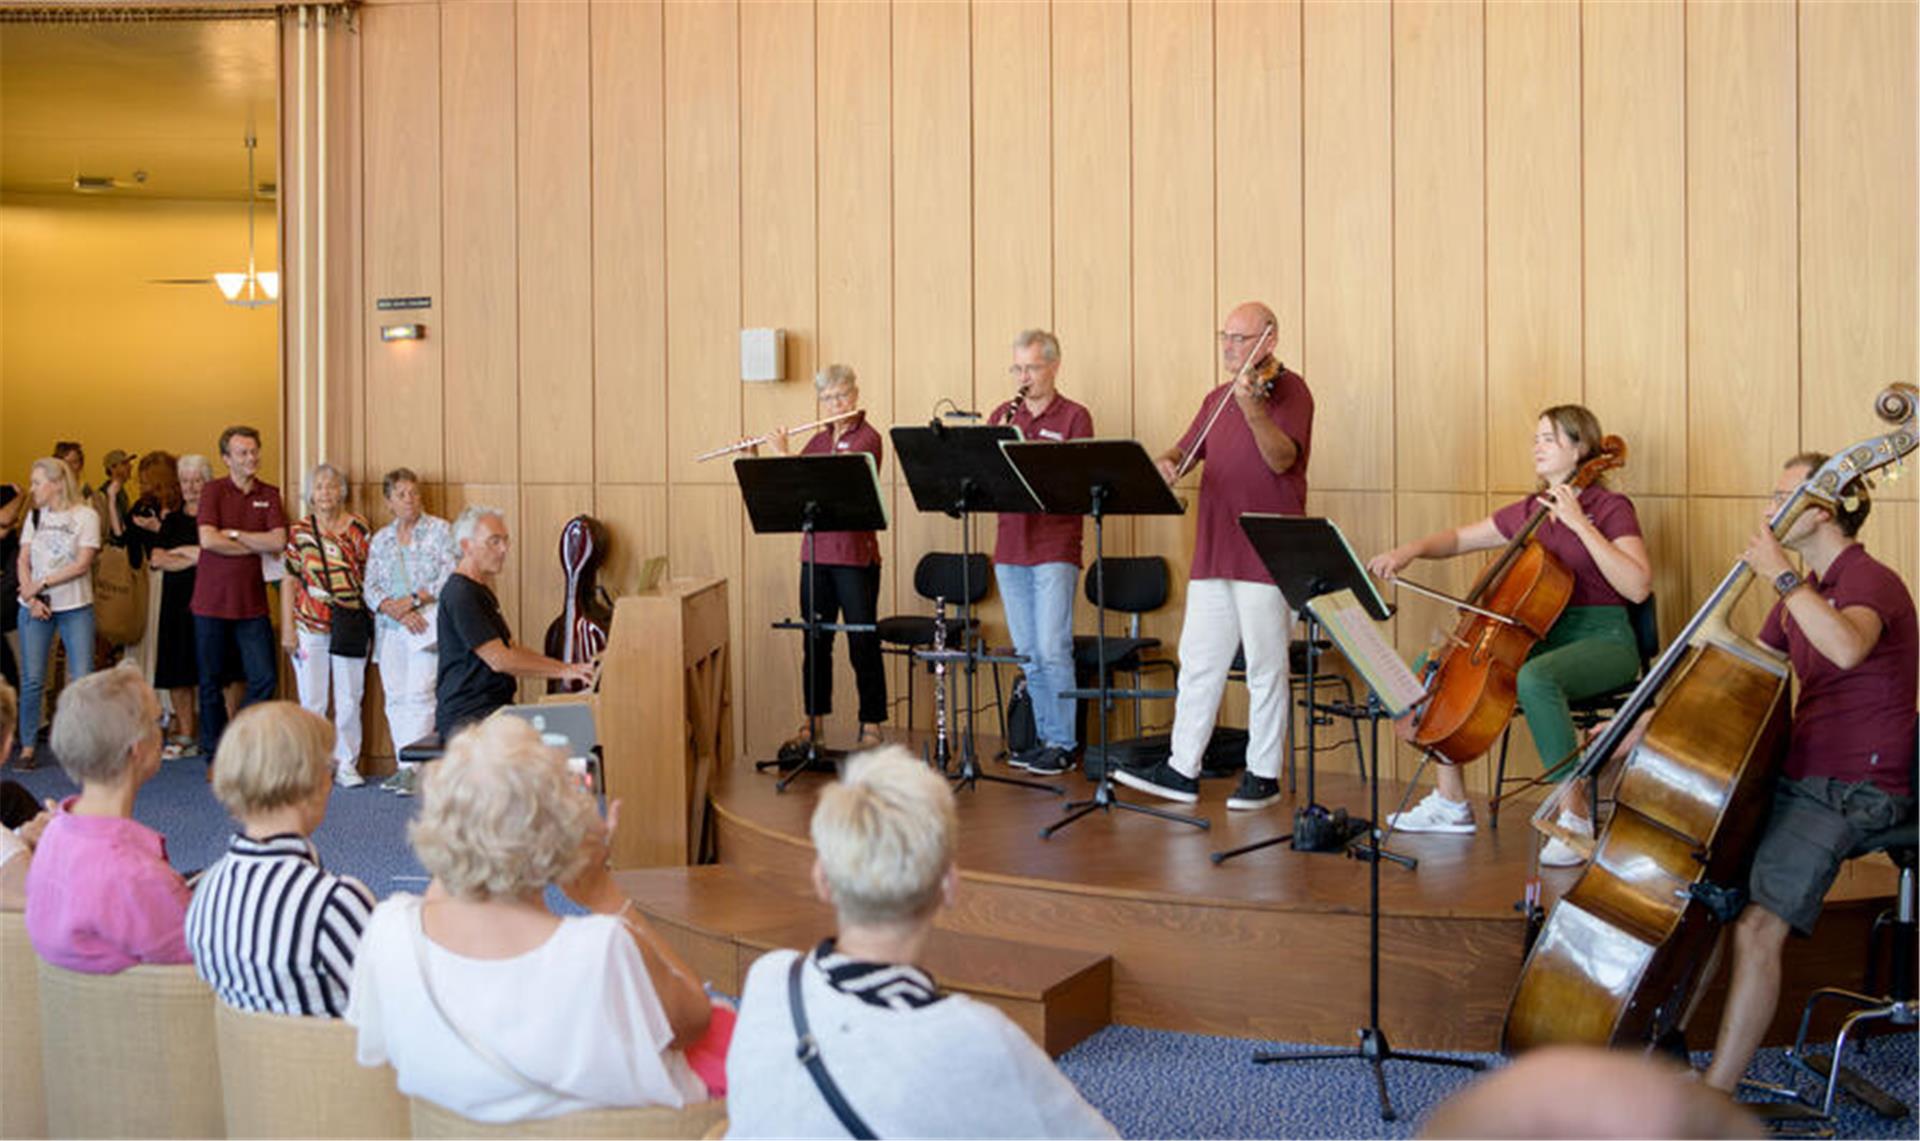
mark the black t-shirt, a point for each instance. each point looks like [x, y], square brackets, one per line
[468, 690]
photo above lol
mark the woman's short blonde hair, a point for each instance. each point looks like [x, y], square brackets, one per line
[884, 834]
[99, 720]
[272, 755]
[499, 813]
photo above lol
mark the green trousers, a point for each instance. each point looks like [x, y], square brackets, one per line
[1589, 651]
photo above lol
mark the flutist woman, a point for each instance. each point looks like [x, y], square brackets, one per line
[847, 569]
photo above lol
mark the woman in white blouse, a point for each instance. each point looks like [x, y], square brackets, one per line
[58, 544]
[409, 563]
[486, 1002]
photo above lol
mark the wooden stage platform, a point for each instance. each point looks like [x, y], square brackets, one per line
[1272, 945]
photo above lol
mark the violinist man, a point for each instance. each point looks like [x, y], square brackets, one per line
[1256, 460]
[1036, 558]
[1848, 628]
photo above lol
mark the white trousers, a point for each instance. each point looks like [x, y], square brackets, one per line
[408, 674]
[320, 675]
[1222, 615]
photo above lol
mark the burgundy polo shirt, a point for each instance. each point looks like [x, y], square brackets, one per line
[230, 586]
[1613, 516]
[1236, 480]
[845, 548]
[1858, 724]
[1029, 540]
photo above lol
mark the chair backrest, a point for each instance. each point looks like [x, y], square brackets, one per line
[283, 1076]
[1133, 585]
[944, 574]
[1644, 617]
[129, 1055]
[430, 1120]
[23, 1103]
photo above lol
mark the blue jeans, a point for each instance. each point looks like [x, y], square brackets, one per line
[36, 646]
[216, 640]
[1039, 605]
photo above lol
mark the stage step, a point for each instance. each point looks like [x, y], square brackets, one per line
[722, 919]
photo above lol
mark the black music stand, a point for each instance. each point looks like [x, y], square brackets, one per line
[1309, 558]
[961, 471]
[807, 494]
[1098, 478]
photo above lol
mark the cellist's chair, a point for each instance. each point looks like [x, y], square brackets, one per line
[1897, 1006]
[1587, 712]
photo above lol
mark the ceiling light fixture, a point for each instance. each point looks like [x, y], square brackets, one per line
[252, 289]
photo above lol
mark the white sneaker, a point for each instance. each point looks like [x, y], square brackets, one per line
[1557, 853]
[347, 776]
[1435, 813]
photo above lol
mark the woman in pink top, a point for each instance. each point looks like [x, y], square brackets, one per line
[101, 896]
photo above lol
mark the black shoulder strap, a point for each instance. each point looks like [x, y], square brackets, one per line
[808, 1051]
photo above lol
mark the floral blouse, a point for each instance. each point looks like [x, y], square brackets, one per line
[336, 572]
[394, 571]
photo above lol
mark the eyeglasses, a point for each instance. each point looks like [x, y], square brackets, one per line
[1020, 370]
[1237, 339]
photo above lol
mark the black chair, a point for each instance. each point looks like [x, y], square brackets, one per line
[1323, 678]
[1133, 587]
[939, 575]
[1895, 1006]
[1587, 712]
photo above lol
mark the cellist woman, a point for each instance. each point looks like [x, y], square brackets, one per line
[1595, 534]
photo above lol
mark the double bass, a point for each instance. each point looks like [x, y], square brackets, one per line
[1621, 957]
[1515, 601]
[579, 633]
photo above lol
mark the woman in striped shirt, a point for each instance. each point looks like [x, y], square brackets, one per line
[269, 928]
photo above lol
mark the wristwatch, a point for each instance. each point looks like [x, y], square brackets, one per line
[233, 533]
[1786, 582]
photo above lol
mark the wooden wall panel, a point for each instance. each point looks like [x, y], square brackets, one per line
[1718, 530]
[1258, 155]
[932, 211]
[401, 52]
[1012, 183]
[1633, 69]
[777, 287]
[1175, 312]
[1743, 340]
[1092, 286]
[702, 242]
[856, 239]
[1347, 132]
[1857, 194]
[636, 517]
[629, 241]
[556, 242]
[1663, 524]
[1439, 278]
[1533, 226]
[481, 315]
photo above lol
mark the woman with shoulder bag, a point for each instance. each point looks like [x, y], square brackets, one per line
[324, 623]
[58, 544]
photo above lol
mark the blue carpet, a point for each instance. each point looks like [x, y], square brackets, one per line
[1150, 1083]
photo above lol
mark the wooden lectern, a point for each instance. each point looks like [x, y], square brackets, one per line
[664, 718]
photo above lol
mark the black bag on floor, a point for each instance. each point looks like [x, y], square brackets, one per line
[1021, 733]
[1226, 753]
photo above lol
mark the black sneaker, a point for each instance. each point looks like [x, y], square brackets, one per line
[1050, 762]
[1162, 780]
[1254, 792]
[1024, 758]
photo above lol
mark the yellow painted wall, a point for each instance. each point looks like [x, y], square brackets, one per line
[90, 351]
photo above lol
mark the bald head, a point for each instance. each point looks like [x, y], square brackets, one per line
[1585, 1091]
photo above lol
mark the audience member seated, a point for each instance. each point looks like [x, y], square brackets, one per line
[482, 999]
[269, 928]
[22, 820]
[101, 896]
[908, 1060]
[1585, 1091]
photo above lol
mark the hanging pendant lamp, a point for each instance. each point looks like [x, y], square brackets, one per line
[252, 289]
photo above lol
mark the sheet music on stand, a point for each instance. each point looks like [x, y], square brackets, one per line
[1354, 631]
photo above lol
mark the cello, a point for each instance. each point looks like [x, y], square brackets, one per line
[1619, 960]
[579, 632]
[1512, 605]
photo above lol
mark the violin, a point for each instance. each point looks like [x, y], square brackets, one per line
[1516, 600]
[1619, 961]
[579, 632]
[1261, 376]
